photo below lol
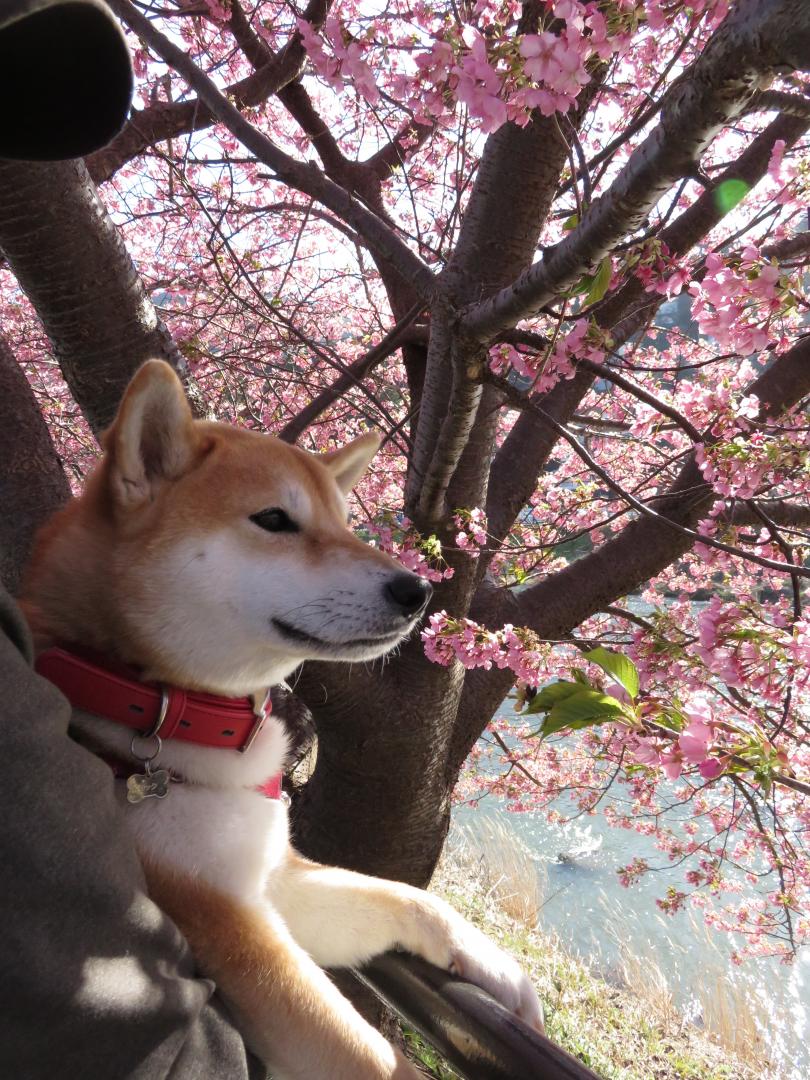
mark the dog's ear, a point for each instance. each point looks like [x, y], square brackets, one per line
[152, 438]
[349, 463]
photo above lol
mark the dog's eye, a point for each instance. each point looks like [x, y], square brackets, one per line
[274, 520]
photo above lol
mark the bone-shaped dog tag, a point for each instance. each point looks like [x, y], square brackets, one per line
[149, 785]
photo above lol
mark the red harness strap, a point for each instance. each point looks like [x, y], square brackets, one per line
[114, 692]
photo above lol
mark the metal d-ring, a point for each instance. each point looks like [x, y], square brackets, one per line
[146, 759]
[261, 712]
[153, 731]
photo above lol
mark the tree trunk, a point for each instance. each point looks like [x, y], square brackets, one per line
[32, 481]
[378, 800]
[73, 265]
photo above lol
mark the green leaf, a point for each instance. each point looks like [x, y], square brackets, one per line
[601, 280]
[584, 285]
[762, 775]
[582, 709]
[548, 697]
[571, 223]
[728, 193]
[619, 667]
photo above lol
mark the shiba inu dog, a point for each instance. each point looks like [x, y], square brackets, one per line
[212, 561]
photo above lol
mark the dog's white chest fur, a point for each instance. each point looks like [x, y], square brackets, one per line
[231, 839]
[216, 826]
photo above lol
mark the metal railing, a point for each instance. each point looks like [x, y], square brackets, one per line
[479, 1037]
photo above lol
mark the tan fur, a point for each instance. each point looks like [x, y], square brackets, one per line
[158, 564]
[290, 1012]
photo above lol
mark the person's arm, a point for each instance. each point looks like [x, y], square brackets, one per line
[95, 982]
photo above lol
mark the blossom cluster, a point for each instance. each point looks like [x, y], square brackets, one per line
[497, 78]
[747, 647]
[395, 534]
[447, 639]
[344, 58]
[545, 370]
[675, 723]
[740, 466]
[652, 263]
[693, 747]
[472, 526]
[736, 300]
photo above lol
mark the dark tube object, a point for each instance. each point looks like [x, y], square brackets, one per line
[65, 78]
[479, 1037]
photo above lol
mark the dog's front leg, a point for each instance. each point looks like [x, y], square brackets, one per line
[343, 919]
[289, 1012]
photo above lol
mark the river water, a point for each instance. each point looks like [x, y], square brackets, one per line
[600, 921]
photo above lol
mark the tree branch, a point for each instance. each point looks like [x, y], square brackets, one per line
[396, 153]
[623, 313]
[755, 39]
[782, 512]
[380, 237]
[70, 260]
[603, 371]
[165, 120]
[498, 237]
[781, 102]
[400, 333]
[792, 247]
[644, 508]
[647, 546]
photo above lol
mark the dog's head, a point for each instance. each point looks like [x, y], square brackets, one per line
[215, 557]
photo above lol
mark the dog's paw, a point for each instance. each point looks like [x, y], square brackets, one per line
[479, 961]
[463, 950]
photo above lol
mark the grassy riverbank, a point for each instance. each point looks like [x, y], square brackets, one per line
[629, 1032]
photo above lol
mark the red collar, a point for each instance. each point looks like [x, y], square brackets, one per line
[114, 691]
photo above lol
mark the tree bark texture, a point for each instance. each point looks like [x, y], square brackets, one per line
[71, 262]
[32, 481]
[378, 800]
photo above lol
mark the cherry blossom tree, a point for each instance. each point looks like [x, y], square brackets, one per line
[558, 253]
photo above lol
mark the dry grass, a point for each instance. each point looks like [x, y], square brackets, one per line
[645, 980]
[504, 868]
[628, 1032]
[731, 1022]
[727, 1014]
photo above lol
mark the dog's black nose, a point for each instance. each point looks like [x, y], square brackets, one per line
[409, 592]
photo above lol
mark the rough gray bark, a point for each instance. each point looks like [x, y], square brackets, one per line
[379, 800]
[498, 238]
[32, 481]
[71, 262]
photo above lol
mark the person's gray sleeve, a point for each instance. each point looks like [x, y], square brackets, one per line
[95, 982]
